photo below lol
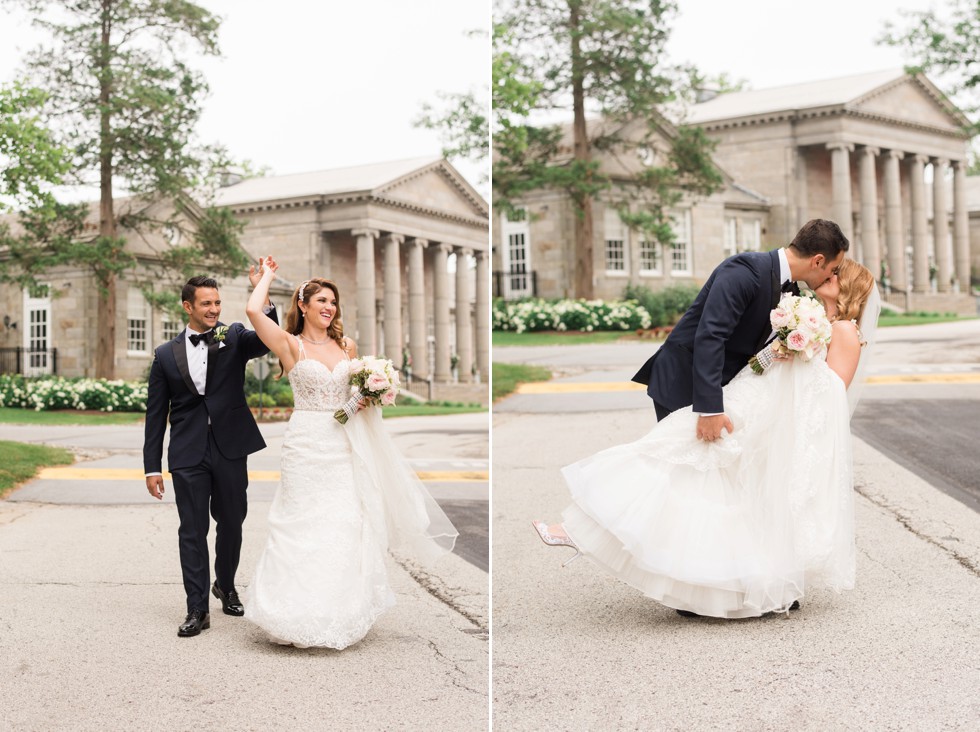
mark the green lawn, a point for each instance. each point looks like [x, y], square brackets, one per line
[888, 319]
[20, 462]
[10, 415]
[554, 338]
[429, 410]
[506, 377]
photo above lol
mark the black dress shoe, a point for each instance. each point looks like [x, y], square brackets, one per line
[688, 614]
[795, 605]
[230, 604]
[197, 620]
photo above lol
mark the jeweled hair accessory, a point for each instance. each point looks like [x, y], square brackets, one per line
[302, 289]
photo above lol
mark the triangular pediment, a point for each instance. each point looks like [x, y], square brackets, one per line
[911, 99]
[437, 187]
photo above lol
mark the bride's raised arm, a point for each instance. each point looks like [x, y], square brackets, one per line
[274, 337]
[844, 351]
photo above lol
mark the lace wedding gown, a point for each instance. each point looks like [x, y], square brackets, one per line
[738, 527]
[321, 579]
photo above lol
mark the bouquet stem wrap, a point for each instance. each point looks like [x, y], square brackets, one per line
[349, 409]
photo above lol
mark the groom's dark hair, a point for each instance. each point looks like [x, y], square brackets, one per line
[820, 236]
[187, 294]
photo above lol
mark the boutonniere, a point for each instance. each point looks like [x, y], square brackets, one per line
[220, 332]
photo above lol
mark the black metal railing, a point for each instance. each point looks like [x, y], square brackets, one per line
[515, 284]
[28, 361]
[419, 387]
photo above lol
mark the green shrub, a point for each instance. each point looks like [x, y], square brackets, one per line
[523, 316]
[44, 393]
[254, 400]
[284, 398]
[665, 306]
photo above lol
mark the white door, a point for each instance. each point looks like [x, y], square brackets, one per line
[37, 331]
[517, 256]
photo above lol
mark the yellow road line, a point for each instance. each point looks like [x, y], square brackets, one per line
[565, 387]
[598, 387]
[258, 476]
[925, 379]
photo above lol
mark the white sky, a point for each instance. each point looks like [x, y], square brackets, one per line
[307, 85]
[777, 42]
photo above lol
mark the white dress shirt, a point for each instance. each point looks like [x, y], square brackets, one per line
[197, 360]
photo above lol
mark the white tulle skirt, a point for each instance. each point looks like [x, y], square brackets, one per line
[735, 528]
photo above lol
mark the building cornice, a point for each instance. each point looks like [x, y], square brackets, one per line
[363, 198]
[797, 115]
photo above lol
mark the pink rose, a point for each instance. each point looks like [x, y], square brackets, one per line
[779, 318]
[388, 398]
[377, 382]
[797, 340]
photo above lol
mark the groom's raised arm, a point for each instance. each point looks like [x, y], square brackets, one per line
[734, 287]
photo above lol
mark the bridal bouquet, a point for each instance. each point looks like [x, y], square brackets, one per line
[802, 330]
[376, 381]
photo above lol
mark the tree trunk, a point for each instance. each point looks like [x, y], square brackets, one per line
[584, 274]
[105, 358]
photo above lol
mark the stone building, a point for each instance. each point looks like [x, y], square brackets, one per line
[534, 248]
[407, 242]
[863, 150]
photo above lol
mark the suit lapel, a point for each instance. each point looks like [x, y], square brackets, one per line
[180, 356]
[212, 353]
[776, 280]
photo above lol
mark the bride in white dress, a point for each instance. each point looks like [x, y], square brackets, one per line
[346, 494]
[747, 524]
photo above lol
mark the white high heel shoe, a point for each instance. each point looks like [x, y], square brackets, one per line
[542, 528]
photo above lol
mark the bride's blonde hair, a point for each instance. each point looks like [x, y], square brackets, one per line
[855, 282]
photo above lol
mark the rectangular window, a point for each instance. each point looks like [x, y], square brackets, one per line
[171, 328]
[37, 331]
[137, 319]
[615, 255]
[616, 238]
[731, 236]
[650, 257]
[680, 260]
[517, 275]
[751, 235]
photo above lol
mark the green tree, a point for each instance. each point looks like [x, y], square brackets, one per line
[123, 100]
[946, 44]
[604, 57]
[463, 121]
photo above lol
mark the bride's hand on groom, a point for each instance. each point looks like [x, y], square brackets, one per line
[709, 428]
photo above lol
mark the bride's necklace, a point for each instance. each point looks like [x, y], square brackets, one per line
[315, 343]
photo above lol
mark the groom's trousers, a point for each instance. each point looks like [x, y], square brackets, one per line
[216, 486]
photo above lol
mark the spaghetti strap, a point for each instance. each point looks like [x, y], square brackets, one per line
[346, 348]
[302, 351]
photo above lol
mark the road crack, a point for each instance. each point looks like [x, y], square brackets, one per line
[968, 564]
[449, 596]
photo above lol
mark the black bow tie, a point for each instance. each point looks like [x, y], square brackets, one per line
[208, 338]
[788, 286]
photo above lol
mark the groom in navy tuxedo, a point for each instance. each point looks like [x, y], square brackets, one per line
[729, 323]
[198, 378]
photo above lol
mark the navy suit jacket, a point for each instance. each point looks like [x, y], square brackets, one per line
[171, 391]
[727, 324]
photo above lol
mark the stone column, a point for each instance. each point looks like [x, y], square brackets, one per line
[393, 298]
[366, 316]
[840, 165]
[443, 370]
[483, 314]
[894, 231]
[418, 341]
[920, 232]
[961, 226]
[871, 251]
[940, 225]
[464, 330]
